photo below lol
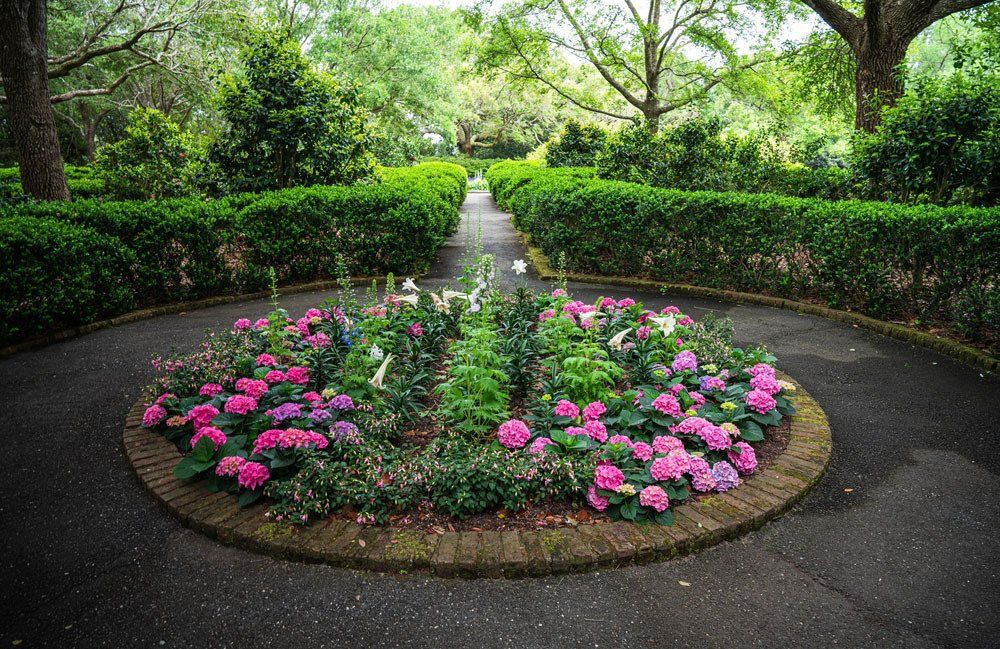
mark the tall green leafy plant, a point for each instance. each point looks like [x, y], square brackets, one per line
[289, 124]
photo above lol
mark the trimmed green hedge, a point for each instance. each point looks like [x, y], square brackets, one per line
[885, 260]
[187, 248]
[83, 182]
[472, 166]
[57, 275]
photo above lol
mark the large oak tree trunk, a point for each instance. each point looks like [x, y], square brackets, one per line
[878, 82]
[23, 66]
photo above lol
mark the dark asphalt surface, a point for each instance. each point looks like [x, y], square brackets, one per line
[909, 558]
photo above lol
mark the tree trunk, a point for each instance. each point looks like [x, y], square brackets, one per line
[878, 82]
[464, 140]
[651, 112]
[24, 70]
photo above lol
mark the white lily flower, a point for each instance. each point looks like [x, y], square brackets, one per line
[451, 295]
[409, 299]
[440, 304]
[616, 341]
[519, 267]
[588, 316]
[665, 323]
[376, 352]
[410, 285]
[379, 378]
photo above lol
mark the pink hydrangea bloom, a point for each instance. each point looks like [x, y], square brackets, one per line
[261, 323]
[761, 369]
[596, 430]
[575, 430]
[594, 410]
[274, 376]
[538, 445]
[670, 467]
[690, 426]
[698, 398]
[716, 438]
[242, 324]
[667, 443]
[229, 466]
[596, 500]
[202, 415]
[685, 360]
[709, 383]
[266, 360]
[686, 321]
[760, 401]
[253, 388]
[312, 397]
[625, 303]
[607, 302]
[608, 477]
[642, 451]
[671, 309]
[655, 497]
[745, 460]
[294, 438]
[163, 397]
[253, 475]
[765, 383]
[642, 333]
[566, 408]
[513, 433]
[701, 475]
[558, 293]
[210, 389]
[266, 440]
[217, 436]
[297, 375]
[620, 439]
[668, 405]
[239, 404]
[546, 315]
[154, 415]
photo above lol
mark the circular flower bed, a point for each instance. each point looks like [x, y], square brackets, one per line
[454, 403]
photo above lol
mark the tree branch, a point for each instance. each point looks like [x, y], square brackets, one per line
[841, 20]
[107, 90]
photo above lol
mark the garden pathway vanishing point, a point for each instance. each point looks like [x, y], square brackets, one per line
[897, 546]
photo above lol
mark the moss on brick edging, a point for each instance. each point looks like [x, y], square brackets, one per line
[698, 524]
[946, 346]
[170, 309]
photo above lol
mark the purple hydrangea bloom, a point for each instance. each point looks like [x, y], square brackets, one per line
[345, 432]
[342, 402]
[287, 411]
[684, 360]
[725, 475]
[319, 415]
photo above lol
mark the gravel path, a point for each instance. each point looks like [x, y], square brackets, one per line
[897, 546]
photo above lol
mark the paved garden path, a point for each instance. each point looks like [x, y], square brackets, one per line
[897, 546]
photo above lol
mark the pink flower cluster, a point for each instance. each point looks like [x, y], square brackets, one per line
[217, 436]
[253, 388]
[229, 466]
[671, 466]
[760, 401]
[240, 404]
[668, 405]
[566, 408]
[743, 458]
[153, 415]
[594, 410]
[655, 497]
[288, 438]
[513, 433]
[608, 477]
[253, 475]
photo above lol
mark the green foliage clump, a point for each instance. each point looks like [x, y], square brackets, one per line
[576, 146]
[472, 166]
[58, 275]
[154, 159]
[939, 144]
[288, 123]
[83, 182]
[888, 261]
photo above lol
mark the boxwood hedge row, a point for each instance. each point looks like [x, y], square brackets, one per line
[889, 261]
[64, 264]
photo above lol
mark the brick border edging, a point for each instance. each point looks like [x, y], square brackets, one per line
[698, 524]
[170, 309]
[946, 346]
